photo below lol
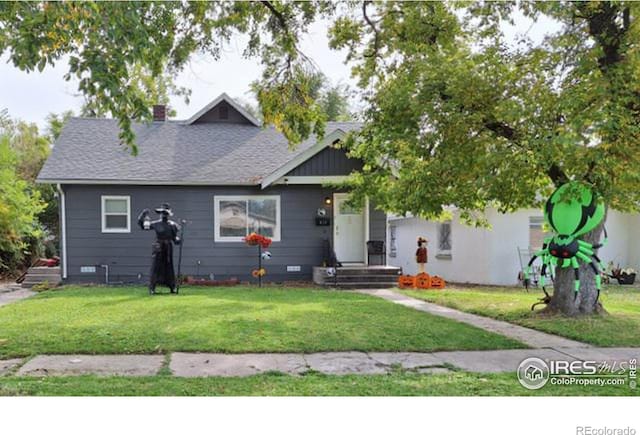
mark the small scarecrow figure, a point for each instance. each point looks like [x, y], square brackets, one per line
[162, 249]
[421, 254]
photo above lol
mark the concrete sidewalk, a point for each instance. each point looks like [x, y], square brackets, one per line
[9, 294]
[530, 337]
[331, 363]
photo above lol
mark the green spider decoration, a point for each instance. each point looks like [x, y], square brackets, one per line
[571, 211]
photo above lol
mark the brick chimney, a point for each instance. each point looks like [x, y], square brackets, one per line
[159, 112]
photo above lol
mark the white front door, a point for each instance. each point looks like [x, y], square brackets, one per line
[349, 230]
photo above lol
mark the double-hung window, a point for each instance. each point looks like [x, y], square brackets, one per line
[237, 216]
[537, 233]
[393, 248]
[116, 214]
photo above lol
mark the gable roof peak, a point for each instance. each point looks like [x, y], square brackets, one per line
[223, 98]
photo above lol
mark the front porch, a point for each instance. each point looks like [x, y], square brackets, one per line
[357, 276]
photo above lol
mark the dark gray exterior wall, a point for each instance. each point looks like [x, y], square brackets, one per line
[128, 254]
[329, 161]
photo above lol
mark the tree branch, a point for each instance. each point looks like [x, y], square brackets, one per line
[501, 129]
[557, 175]
[592, 165]
[281, 19]
[376, 32]
[603, 27]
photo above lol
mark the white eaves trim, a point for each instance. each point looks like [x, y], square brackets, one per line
[397, 217]
[409, 215]
[231, 102]
[138, 182]
[302, 157]
[316, 179]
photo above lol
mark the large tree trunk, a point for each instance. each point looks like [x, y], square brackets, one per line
[562, 300]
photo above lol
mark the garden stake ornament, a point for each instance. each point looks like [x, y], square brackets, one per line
[571, 211]
[421, 254]
[262, 242]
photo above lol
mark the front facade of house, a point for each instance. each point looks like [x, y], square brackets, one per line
[464, 254]
[222, 173]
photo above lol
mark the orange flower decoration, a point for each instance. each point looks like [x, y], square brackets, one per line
[255, 239]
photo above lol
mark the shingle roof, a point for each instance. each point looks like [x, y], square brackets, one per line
[171, 152]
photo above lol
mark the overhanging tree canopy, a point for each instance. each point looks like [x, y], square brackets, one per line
[105, 41]
[455, 114]
[458, 116]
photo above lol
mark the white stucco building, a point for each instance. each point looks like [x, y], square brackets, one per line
[464, 254]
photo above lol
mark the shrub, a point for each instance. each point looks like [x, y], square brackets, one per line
[20, 205]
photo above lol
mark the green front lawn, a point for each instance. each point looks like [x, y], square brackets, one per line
[395, 384]
[620, 328]
[238, 319]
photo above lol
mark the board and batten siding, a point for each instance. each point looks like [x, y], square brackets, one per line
[329, 161]
[128, 255]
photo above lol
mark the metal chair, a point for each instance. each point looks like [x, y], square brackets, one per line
[377, 247]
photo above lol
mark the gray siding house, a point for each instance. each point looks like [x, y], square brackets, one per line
[223, 173]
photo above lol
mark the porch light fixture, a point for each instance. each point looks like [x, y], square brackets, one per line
[327, 200]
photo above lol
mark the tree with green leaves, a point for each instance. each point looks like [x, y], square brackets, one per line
[333, 100]
[156, 89]
[19, 209]
[56, 122]
[103, 41]
[455, 114]
[29, 150]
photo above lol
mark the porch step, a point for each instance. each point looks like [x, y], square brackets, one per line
[370, 270]
[361, 285]
[37, 275]
[352, 277]
[363, 277]
[9, 288]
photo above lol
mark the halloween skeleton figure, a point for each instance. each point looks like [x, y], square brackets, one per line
[571, 211]
[162, 249]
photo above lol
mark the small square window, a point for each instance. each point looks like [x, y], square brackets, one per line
[116, 214]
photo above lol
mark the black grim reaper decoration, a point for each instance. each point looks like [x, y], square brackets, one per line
[167, 231]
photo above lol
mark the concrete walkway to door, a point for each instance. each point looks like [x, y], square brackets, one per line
[530, 337]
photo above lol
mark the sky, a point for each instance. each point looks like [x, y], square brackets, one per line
[32, 96]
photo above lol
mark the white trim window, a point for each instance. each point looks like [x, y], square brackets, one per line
[238, 216]
[116, 214]
[537, 232]
[393, 247]
[444, 240]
